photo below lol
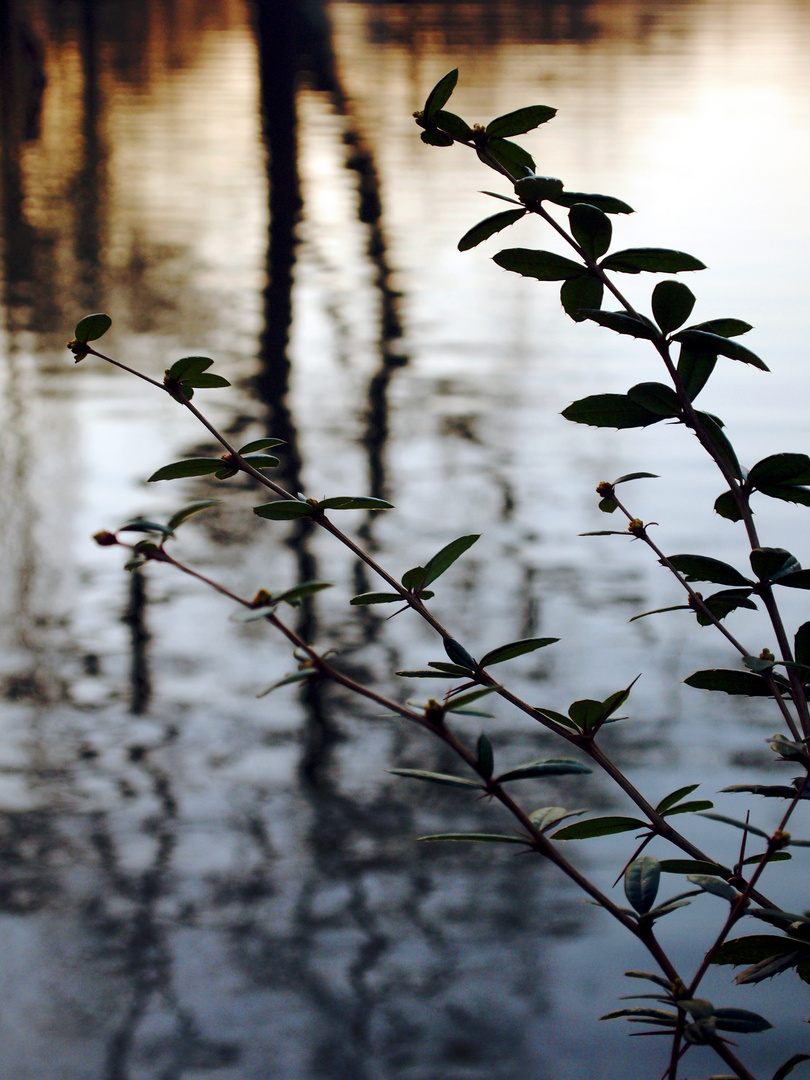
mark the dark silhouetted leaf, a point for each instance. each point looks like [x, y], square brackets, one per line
[635, 476]
[260, 444]
[294, 677]
[609, 410]
[457, 703]
[367, 598]
[675, 797]
[786, 1069]
[781, 469]
[353, 502]
[724, 602]
[622, 323]
[744, 825]
[772, 563]
[672, 305]
[440, 94]
[702, 568]
[723, 448]
[656, 398]
[547, 816]
[284, 510]
[711, 884]
[189, 367]
[189, 467]
[511, 157]
[693, 866]
[579, 294]
[801, 644]
[452, 124]
[724, 327]
[729, 681]
[458, 654]
[740, 1020]
[297, 593]
[520, 121]
[651, 260]
[591, 228]
[726, 506]
[450, 669]
[484, 757]
[92, 327]
[436, 138]
[606, 203]
[787, 493]
[488, 227]
[515, 648]
[720, 346]
[262, 461]
[476, 838]
[445, 558]
[534, 189]
[177, 519]
[695, 367]
[204, 382]
[543, 265]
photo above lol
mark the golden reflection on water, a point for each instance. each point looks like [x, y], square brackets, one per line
[224, 852]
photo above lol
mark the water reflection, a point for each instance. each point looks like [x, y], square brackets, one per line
[192, 881]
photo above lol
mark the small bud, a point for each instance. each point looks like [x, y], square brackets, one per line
[434, 712]
[636, 527]
[105, 539]
[78, 349]
[605, 490]
[781, 839]
[766, 654]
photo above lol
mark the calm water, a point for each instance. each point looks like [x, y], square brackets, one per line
[194, 882]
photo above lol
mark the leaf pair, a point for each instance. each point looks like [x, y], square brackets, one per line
[190, 373]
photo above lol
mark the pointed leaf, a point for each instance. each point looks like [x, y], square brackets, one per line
[485, 757]
[786, 1069]
[445, 558]
[745, 826]
[366, 598]
[520, 121]
[547, 767]
[427, 674]
[724, 327]
[437, 778]
[641, 880]
[516, 648]
[691, 807]
[188, 367]
[772, 563]
[714, 885]
[488, 227]
[702, 568]
[605, 826]
[781, 469]
[635, 476]
[440, 94]
[787, 493]
[452, 124]
[622, 323]
[189, 467]
[724, 449]
[720, 346]
[260, 444]
[675, 797]
[651, 260]
[724, 602]
[693, 866]
[457, 703]
[352, 502]
[262, 461]
[729, 681]
[609, 410]
[92, 327]
[740, 1020]
[476, 838]
[606, 203]
[547, 816]
[297, 593]
[543, 265]
[799, 579]
[284, 510]
[177, 519]
[204, 382]
[726, 506]
[510, 156]
[293, 677]
[458, 654]
[695, 367]
[648, 975]
[450, 669]
[591, 228]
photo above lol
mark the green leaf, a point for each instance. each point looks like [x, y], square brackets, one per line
[702, 568]
[262, 461]
[484, 757]
[581, 293]
[659, 980]
[666, 1019]
[427, 674]
[609, 410]
[790, 1065]
[622, 323]
[437, 778]
[353, 502]
[543, 265]
[720, 346]
[488, 227]
[440, 94]
[544, 767]
[510, 156]
[189, 367]
[726, 506]
[711, 884]
[754, 949]
[675, 797]
[450, 669]
[547, 816]
[729, 681]
[781, 469]
[556, 717]
[656, 398]
[476, 838]
[769, 564]
[177, 519]
[445, 558]
[260, 444]
[605, 826]
[695, 367]
[641, 880]
[413, 579]
[92, 327]
[204, 382]
[693, 866]
[652, 260]
[591, 228]
[691, 807]
[725, 451]
[366, 598]
[635, 476]
[297, 593]
[284, 510]
[520, 121]
[455, 704]
[141, 525]
[672, 305]
[452, 125]
[516, 648]
[293, 677]
[607, 203]
[724, 602]
[189, 467]
[458, 654]
[740, 1020]
[768, 791]
[744, 825]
